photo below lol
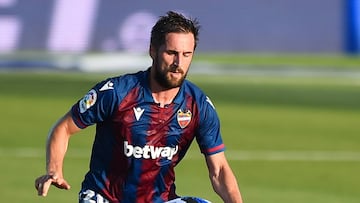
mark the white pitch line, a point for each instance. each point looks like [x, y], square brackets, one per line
[233, 155]
[39, 153]
[294, 155]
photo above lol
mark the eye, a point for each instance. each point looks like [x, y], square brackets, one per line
[171, 52]
[187, 54]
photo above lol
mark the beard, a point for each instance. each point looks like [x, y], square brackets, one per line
[164, 79]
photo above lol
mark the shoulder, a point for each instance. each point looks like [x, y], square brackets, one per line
[122, 83]
[130, 79]
[201, 98]
[193, 90]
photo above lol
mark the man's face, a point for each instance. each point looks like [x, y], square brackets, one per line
[172, 60]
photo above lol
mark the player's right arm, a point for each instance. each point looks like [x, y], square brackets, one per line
[56, 148]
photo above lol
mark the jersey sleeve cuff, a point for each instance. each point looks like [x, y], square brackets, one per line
[76, 118]
[214, 150]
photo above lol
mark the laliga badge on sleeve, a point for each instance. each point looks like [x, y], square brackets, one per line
[88, 101]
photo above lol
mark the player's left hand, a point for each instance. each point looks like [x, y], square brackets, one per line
[43, 183]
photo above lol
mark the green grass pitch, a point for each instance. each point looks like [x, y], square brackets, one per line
[288, 139]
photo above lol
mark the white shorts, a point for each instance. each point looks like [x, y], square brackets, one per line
[188, 200]
[89, 196]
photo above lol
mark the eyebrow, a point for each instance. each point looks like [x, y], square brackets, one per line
[174, 51]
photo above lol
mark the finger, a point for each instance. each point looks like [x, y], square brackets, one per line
[39, 182]
[44, 186]
[61, 183]
[38, 186]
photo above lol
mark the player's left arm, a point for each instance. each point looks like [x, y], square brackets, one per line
[222, 178]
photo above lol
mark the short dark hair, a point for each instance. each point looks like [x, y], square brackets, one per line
[173, 23]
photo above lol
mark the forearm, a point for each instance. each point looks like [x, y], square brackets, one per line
[57, 144]
[225, 185]
[223, 179]
[56, 148]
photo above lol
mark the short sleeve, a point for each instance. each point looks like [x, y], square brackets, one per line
[209, 136]
[96, 106]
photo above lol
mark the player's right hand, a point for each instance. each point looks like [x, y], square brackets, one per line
[43, 183]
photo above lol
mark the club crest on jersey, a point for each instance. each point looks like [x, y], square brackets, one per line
[184, 118]
[88, 101]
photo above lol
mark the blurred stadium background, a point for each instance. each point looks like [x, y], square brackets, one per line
[284, 75]
[62, 33]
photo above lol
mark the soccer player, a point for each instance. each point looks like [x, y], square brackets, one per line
[145, 123]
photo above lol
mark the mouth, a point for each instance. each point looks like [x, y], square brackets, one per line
[176, 74]
[176, 70]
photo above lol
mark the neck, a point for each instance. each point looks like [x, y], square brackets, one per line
[162, 96]
[165, 97]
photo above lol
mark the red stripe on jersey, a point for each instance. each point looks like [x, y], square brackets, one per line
[158, 130]
[119, 164]
[214, 149]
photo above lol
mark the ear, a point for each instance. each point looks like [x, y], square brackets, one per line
[152, 51]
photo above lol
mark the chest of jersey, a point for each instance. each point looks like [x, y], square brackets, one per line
[149, 124]
[149, 132]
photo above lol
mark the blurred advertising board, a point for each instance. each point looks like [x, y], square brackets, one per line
[111, 26]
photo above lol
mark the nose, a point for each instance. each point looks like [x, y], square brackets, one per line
[176, 61]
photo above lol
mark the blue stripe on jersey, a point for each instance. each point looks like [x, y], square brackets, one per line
[138, 138]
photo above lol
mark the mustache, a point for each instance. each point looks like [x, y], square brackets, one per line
[176, 69]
